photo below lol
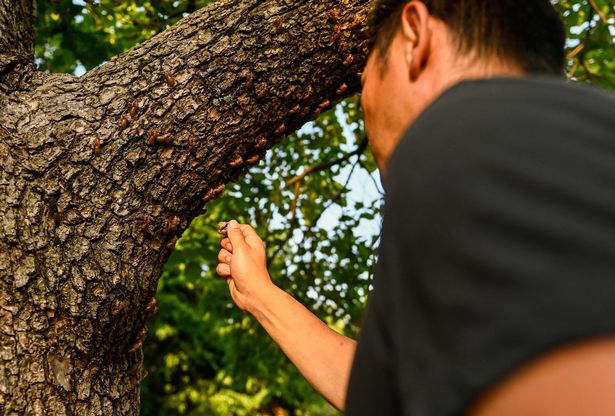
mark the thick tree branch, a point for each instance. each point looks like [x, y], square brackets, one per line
[17, 27]
[99, 176]
[16, 43]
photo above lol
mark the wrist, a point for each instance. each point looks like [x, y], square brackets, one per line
[262, 299]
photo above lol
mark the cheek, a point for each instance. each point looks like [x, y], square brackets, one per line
[370, 107]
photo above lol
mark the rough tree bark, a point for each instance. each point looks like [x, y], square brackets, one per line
[100, 174]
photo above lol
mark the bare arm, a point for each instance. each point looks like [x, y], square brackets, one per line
[323, 356]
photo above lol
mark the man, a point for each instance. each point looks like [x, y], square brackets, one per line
[494, 292]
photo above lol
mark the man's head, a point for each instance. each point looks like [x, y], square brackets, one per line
[421, 47]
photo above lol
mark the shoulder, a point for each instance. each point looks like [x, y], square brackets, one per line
[491, 121]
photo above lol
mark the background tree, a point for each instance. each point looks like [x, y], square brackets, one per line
[203, 355]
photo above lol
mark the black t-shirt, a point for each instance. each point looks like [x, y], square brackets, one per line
[498, 244]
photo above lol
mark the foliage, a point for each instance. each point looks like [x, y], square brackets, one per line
[591, 40]
[204, 356]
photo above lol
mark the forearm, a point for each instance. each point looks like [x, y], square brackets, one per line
[323, 356]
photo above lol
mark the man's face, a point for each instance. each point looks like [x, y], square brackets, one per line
[385, 102]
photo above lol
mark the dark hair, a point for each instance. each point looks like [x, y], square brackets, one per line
[529, 33]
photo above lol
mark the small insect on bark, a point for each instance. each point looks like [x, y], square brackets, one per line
[152, 307]
[169, 79]
[171, 244]
[261, 90]
[261, 143]
[296, 109]
[147, 221]
[164, 139]
[124, 122]
[135, 347]
[236, 162]
[277, 25]
[215, 192]
[324, 104]
[281, 129]
[152, 135]
[253, 160]
[134, 110]
[349, 59]
[342, 89]
[96, 147]
[118, 307]
[249, 76]
[223, 228]
[192, 144]
[334, 14]
[170, 226]
[142, 334]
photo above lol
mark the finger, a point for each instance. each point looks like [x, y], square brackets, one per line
[223, 270]
[226, 243]
[250, 235]
[235, 235]
[224, 256]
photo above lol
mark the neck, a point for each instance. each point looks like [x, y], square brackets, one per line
[471, 68]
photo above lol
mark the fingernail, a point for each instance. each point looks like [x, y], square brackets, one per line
[233, 224]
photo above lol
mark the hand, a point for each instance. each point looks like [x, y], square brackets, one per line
[242, 262]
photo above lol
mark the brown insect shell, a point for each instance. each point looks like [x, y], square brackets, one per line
[171, 244]
[118, 307]
[134, 110]
[261, 90]
[281, 129]
[152, 307]
[142, 333]
[342, 89]
[165, 138]
[136, 347]
[124, 122]
[253, 160]
[152, 136]
[96, 147]
[212, 193]
[147, 220]
[334, 14]
[249, 76]
[235, 163]
[170, 225]
[168, 78]
[261, 143]
[192, 144]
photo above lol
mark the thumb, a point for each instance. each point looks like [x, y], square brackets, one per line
[235, 235]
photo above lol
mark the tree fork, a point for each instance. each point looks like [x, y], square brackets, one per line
[99, 175]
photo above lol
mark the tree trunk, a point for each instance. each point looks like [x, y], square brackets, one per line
[99, 175]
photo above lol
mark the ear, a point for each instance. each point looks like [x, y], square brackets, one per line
[416, 35]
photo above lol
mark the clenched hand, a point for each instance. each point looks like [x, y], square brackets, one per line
[243, 263]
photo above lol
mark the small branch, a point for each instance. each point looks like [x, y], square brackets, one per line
[297, 181]
[596, 8]
[573, 53]
[317, 168]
